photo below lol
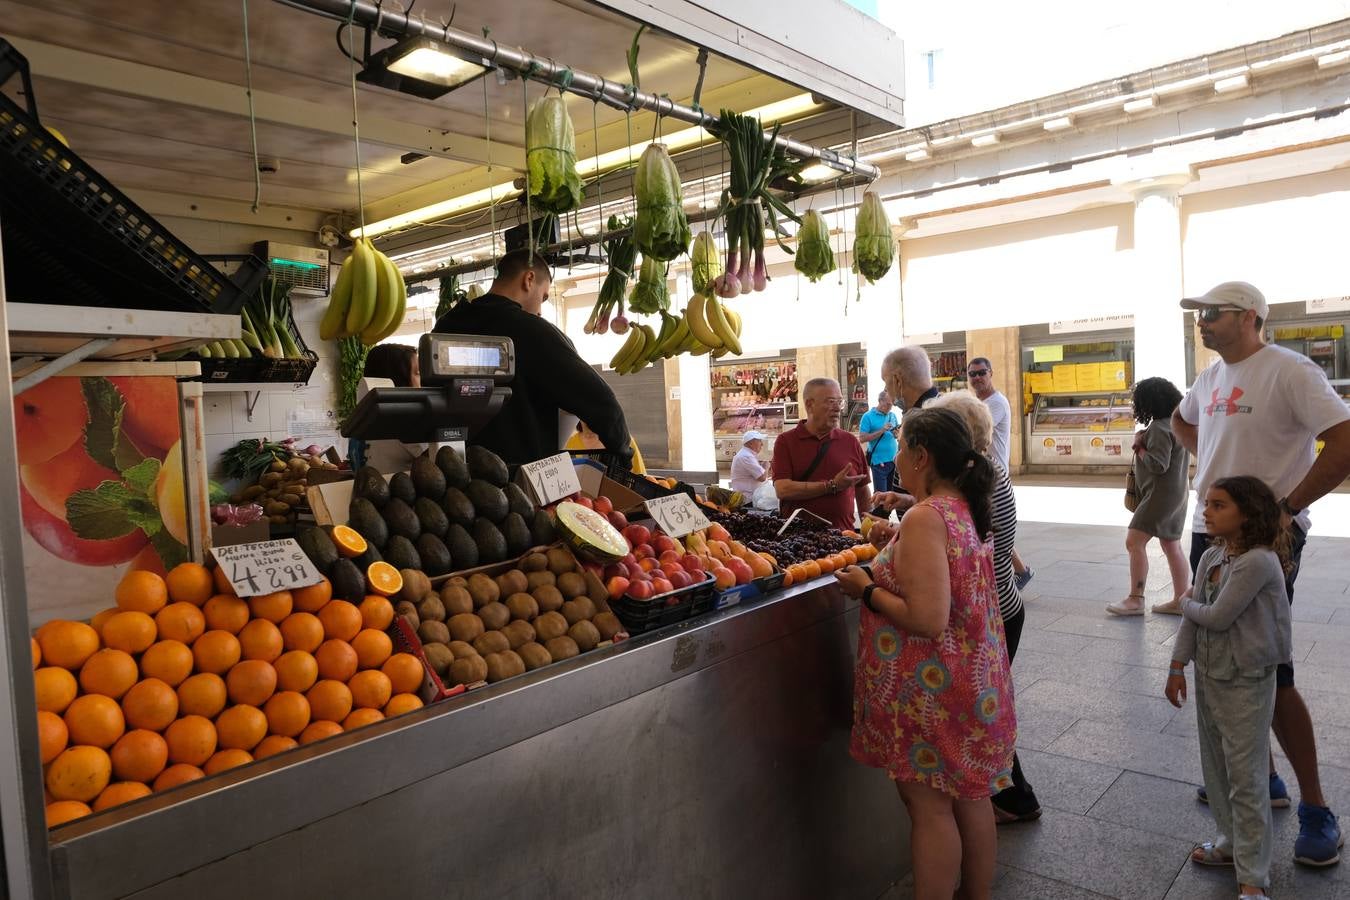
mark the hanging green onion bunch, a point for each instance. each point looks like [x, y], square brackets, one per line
[551, 155]
[661, 230]
[815, 258]
[873, 244]
[622, 254]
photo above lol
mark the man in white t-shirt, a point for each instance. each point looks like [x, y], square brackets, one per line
[1259, 410]
[980, 371]
[746, 471]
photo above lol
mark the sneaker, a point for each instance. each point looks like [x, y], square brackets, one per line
[1279, 794]
[1022, 578]
[1319, 837]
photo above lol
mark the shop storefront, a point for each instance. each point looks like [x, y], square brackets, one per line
[754, 395]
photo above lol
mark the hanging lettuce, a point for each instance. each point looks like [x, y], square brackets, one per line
[707, 264]
[551, 152]
[651, 293]
[873, 245]
[814, 257]
[661, 230]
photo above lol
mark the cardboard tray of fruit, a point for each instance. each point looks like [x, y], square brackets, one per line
[641, 616]
[406, 641]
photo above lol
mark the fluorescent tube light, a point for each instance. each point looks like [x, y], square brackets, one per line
[984, 140]
[918, 155]
[1140, 104]
[1333, 59]
[1230, 84]
[1059, 123]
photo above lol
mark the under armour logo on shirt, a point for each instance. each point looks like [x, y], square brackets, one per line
[1227, 405]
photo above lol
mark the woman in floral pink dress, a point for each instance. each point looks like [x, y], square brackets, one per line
[933, 696]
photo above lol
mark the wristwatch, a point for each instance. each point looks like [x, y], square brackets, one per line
[867, 597]
[1284, 505]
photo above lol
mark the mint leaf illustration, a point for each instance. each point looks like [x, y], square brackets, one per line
[141, 477]
[104, 440]
[171, 553]
[101, 514]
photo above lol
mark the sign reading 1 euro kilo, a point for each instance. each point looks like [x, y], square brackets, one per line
[266, 567]
[552, 478]
[677, 515]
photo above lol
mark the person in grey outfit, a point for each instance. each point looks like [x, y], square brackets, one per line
[1236, 629]
[1160, 469]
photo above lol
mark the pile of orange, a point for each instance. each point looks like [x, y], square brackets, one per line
[183, 679]
[814, 568]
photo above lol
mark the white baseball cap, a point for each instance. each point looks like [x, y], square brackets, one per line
[752, 436]
[1239, 294]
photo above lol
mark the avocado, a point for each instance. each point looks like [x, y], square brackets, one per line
[431, 517]
[517, 502]
[485, 464]
[488, 501]
[463, 551]
[372, 555]
[366, 519]
[517, 535]
[400, 518]
[427, 479]
[490, 542]
[542, 529]
[370, 485]
[458, 508]
[348, 583]
[435, 556]
[453, 467]
[401, 554]
[401, 487]
[319, 547]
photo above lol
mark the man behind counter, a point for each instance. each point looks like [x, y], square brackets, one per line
[550, 376]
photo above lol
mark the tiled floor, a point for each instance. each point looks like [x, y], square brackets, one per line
[1114, 765]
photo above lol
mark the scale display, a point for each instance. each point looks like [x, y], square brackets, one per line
[445, 356]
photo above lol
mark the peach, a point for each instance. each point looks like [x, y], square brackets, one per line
[71, 470]
[151, 415]
[55, 536]
[48, 418]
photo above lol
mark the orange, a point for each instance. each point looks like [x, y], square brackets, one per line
[190, 582]
[227, 759]
[272, 607]
[225, 613]
[241, 727]
[812, 568]
[109, 672]
[191, 740]
[341, 620]
[337, 659]
[216, 652]
[349, 541]
[383, 579]
[67, 644]
[839, 561]
[825, 565]
[79, 773]
[53, 735]
[401, 703]
[139, 755]
[221, 582]
[95, 720]
[36, 650]
[151, 705]
[129, 631]
[372, 648]
[313, 598]
[141, 591]
[376, 612]
[55, 688]
[850, 558]
[177, 774]
[302, 631]
[370, 689]
[317, 731]
[274, 744]
[287, 713]
[296, 671]
[169, 661]
[101, 617]
[180, 622]
[251, 682]
[405, 673]
[260, 640]
[202, 695]
[62, 811]
[330, 700]
[360, 718]
[120, 792]
[788, 580]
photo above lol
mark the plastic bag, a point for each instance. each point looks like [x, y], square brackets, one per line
[765, 497]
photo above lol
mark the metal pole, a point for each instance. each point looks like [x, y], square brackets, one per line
[543, 69]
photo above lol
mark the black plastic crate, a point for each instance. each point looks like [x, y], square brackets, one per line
[638, 484]
[641, 616]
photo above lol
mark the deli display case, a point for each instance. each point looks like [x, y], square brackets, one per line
[1081, 428]
[758, 396]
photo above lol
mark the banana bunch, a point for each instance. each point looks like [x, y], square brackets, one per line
[369, 299]
[705, 327]
[716, 327]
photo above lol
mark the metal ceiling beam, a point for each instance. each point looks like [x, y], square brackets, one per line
[151, 83]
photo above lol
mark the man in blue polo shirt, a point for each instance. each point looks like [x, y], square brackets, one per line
[877, 430]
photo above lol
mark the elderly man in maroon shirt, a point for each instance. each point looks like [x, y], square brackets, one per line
[819, 466]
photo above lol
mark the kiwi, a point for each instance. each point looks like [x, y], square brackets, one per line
[468, 670]
[465, 627]
[576, 610]
[416, 585]
[549, 625]
[562, 647]
[438, 657]
[522, 606]
[432, 631]
[430, 608]
[462, 649]
[534, 562]
[458, 581]
[560, 561]
[483, 590]
[572, 585]
[539, 579]
[548, 598]
[607, 624]
[491, 642]
[519, 632]
[494, 616]
[408, 611]
[456, 600]
[534, 655]
[503, 665]
[585, 634]
[512, 582]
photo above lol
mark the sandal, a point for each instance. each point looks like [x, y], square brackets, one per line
[1209, 854]
[1170, 608]
[1121, 609]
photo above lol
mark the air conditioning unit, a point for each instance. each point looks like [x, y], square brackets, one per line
[305, 269]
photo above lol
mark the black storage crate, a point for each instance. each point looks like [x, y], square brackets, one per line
[640, 616]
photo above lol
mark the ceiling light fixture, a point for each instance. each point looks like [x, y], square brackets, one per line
[1230, 84]
[1140, 104]
[1059, 123]
[918, 155]
[1328, 60]
[820, 171]
[422, 67]
[984, 140]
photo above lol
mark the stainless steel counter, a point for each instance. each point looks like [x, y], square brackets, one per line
[708, 760]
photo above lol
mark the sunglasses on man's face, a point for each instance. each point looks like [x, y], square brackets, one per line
[978, 373]
[1212, 313]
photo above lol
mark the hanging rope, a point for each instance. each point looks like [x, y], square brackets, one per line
[600, 189]
[487, 119]
[529, 215]
[252, 119]
[356, 128]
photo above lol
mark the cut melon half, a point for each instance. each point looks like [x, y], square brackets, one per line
[589, 534]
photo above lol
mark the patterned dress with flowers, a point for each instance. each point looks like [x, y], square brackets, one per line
[939, 712]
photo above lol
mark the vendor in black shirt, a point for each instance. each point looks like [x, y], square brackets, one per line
[550, 376]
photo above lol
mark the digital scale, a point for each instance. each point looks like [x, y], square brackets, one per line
[464, 384]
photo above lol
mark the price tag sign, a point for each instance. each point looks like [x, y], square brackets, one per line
[552, 478]
[677, 515]
[266, 567]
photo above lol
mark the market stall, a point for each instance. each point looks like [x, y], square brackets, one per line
[755, 395]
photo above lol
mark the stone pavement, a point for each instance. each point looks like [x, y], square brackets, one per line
[1114, 765]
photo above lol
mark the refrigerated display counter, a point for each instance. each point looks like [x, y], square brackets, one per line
[1081, 428]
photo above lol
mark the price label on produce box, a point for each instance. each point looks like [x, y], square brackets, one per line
[677, 515]
[266, 567]
[552, 478]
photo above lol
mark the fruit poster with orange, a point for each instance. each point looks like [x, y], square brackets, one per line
[101, 486]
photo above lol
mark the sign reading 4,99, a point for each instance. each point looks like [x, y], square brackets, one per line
[677, 515]
[266, 567]
[552, 478]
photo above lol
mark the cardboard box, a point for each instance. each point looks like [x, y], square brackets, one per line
[1089, 376]
[1039, 382]
[595, 483]
[1065, 377]
[1114, 376]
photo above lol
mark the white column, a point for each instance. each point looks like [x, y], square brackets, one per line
[1159, 342]
[696, 414]
[885, 329]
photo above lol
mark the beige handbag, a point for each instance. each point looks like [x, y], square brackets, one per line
[1131, 491]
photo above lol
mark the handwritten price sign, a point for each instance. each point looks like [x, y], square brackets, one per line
[552, 478]
[677, 515]
[266, 567]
